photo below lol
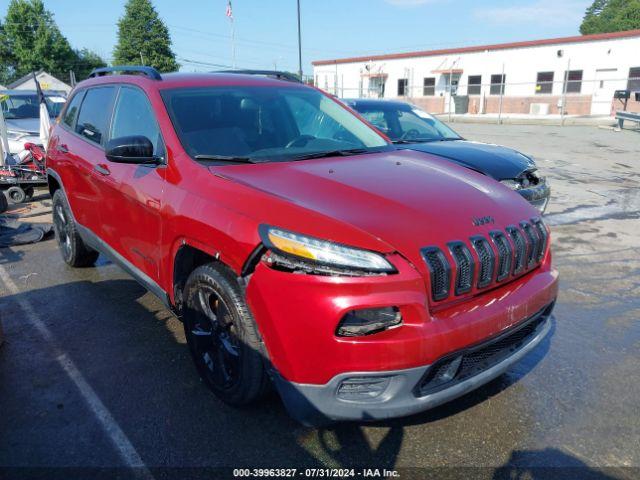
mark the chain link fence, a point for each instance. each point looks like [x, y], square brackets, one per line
[545, 97]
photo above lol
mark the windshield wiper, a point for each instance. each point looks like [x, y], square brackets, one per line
[225, 158]
[424, 140]
[333, 153]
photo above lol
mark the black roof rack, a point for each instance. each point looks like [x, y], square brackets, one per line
[150, 72]
[267, 73]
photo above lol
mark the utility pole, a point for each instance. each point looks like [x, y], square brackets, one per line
[299, 45]
[564, 93]
[450, 89]
[502, 87]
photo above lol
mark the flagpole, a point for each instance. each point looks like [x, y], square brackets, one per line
[233, 43]
[299, 45]
[233, 33]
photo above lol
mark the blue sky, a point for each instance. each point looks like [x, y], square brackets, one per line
[266, 30]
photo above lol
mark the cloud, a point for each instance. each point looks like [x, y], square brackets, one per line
[408, 3]
[549, 12]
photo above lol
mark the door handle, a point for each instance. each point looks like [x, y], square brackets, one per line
[102, 169]
[62, 148]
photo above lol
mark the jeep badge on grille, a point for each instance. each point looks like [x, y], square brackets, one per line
[478, 221]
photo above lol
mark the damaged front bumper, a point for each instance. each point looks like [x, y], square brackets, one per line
[368, 396]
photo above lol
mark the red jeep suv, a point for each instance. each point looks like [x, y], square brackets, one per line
[299, 247]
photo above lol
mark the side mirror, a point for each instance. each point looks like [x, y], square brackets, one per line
[136, 149]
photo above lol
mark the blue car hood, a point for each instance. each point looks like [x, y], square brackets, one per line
[493, 160]
[27, 125]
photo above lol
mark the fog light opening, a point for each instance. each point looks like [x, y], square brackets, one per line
[362, 388]
[368, 321]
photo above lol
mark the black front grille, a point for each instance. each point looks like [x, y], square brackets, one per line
[520, 249]
[543, 235]
[505, 254]
[439, 272]
[467, 363]
[533, 243]
[486, 259]
[464, 267]
[509, 254]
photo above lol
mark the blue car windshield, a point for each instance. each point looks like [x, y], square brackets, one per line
[21, 106]
[405, 123]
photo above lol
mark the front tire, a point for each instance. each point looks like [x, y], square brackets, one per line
[222, 336]
[74, 251]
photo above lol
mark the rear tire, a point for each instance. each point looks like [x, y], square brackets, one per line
[4, 203]
[222, 336]
[74, 251]
[16, 194]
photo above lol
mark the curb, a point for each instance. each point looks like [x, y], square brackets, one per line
[569, 121]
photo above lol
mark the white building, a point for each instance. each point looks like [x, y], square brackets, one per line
[46, 81]
[534, 74]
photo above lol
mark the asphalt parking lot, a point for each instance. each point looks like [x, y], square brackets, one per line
[95, 372]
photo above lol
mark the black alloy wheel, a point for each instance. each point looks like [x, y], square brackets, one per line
[73, 249]
[215, 340]
[222, 336]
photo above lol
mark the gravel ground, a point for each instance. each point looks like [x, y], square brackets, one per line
[94, 373]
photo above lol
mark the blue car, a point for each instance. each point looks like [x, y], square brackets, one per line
[412, 128]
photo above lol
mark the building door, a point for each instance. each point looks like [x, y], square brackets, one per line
[376, 86]
[605, 86]
[451, 89]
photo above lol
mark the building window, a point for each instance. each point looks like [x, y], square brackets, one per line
[573, 81]
[544, 84]
[429, 87]
[497, 84]
[474, 85]
[402, 87]
[634, 79]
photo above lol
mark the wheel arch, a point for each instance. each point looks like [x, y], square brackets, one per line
[53, 183]
[189, 255]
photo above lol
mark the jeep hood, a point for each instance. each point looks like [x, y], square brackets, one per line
[496, 161]
[406, 199]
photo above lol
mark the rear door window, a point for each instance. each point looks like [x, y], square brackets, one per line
[133, 115]
[95, 112]
[71, 113]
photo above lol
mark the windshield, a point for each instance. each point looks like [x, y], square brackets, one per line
[17, 107]
[406, 123]
[264, 123]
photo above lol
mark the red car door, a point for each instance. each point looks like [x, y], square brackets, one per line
[78, 150]
[131, 218]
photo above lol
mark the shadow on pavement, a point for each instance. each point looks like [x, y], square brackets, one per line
[549, 463]
[132, 352]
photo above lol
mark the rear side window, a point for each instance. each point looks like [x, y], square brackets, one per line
[93, 121]
[71, 113]
[133, 115]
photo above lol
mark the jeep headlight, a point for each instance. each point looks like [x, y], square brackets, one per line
[512, 184]
[322, 252]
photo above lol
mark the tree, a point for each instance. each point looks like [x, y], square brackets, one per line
[7, 59]
[144, 38]
[30, 40]
[611, 16]
[87, 60]
[34, 39]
